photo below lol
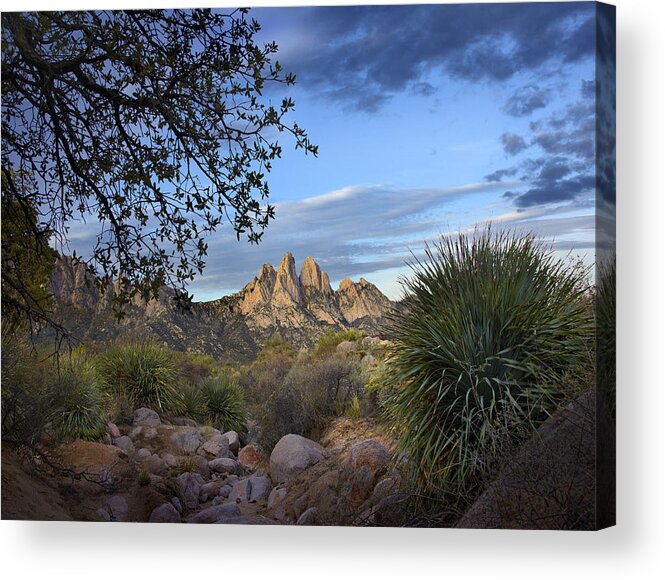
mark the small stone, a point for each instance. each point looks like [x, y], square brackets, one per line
[259, 488]
[241, 491]
[300, 505]
[170, 460]
[234, 441]
[190, 485]
[184, 422]
[117, 508]
[156, 465]
[176, 504]
[112, 430]
[165, 513]
[223, 465]
[187, 441]
[125, 444]
[308, 517]
[215, 513]
[145, 417]
[103, 515]
[217, 446]
[250, 456]
[143, 453]
[276, 496]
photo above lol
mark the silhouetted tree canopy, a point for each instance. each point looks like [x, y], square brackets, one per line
[152, 123]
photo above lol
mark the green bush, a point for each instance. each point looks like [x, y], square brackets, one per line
[328, 341]
[491, 325]
[223, 404]
[141, 375]
[23, 386]
[606, 329]
[76, 404]
[311, 393]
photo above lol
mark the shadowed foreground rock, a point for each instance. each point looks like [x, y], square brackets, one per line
[550, 483]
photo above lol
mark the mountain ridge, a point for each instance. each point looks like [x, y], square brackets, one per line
[300, 306]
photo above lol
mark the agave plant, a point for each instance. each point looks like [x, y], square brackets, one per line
[143, 374]
[223, 403]
[492, 323]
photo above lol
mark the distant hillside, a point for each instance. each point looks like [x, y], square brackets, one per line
[299, 307]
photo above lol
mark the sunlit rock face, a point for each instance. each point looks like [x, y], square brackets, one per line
[300, 307]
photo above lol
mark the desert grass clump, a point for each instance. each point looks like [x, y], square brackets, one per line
[141, 375]
[492, 324]
[76, 403]
[223, 403]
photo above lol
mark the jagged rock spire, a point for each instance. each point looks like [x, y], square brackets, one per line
[312, 279]
[287, 284]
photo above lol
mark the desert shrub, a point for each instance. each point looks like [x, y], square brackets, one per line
[76, 403]
[491, 325]
[314, 391]
[268, 371]
[23, 385]
[328, 341]
[223, 403]
[191, 403]
[194, 366]
[141, 375]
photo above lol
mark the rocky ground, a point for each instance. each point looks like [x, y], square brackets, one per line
[151, 471]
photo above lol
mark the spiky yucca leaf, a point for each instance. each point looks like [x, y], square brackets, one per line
[76, 403]
[144, 374]
[223, 403]
[491, 324]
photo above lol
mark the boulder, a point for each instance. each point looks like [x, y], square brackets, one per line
[309, 517]
[370, 453]
[170, 460]
[165, 514]
[291, 456]
[175, 501]
[187, 440]
[234, 441]
[217, 446]
[223, 465]
[215, 513]
[145, 417]
[190, 485]
[117, 508]
[250, 456]
[112, 430]
[125, 444]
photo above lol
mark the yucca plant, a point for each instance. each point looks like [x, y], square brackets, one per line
[223, 403]
[143, 374]
[492, 323]
[606, 338]
[76, 404]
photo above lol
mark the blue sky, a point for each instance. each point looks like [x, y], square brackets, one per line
[430, 119]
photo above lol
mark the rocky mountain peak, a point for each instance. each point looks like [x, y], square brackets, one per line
[312, 279]
[259, 291]
[345, 284]
[288, 290]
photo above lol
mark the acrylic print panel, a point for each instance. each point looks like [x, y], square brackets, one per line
[352, 267]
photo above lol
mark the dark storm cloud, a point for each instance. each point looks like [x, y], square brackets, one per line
[526, 100]
[352, 54]
[555, 191]
[513, 143]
